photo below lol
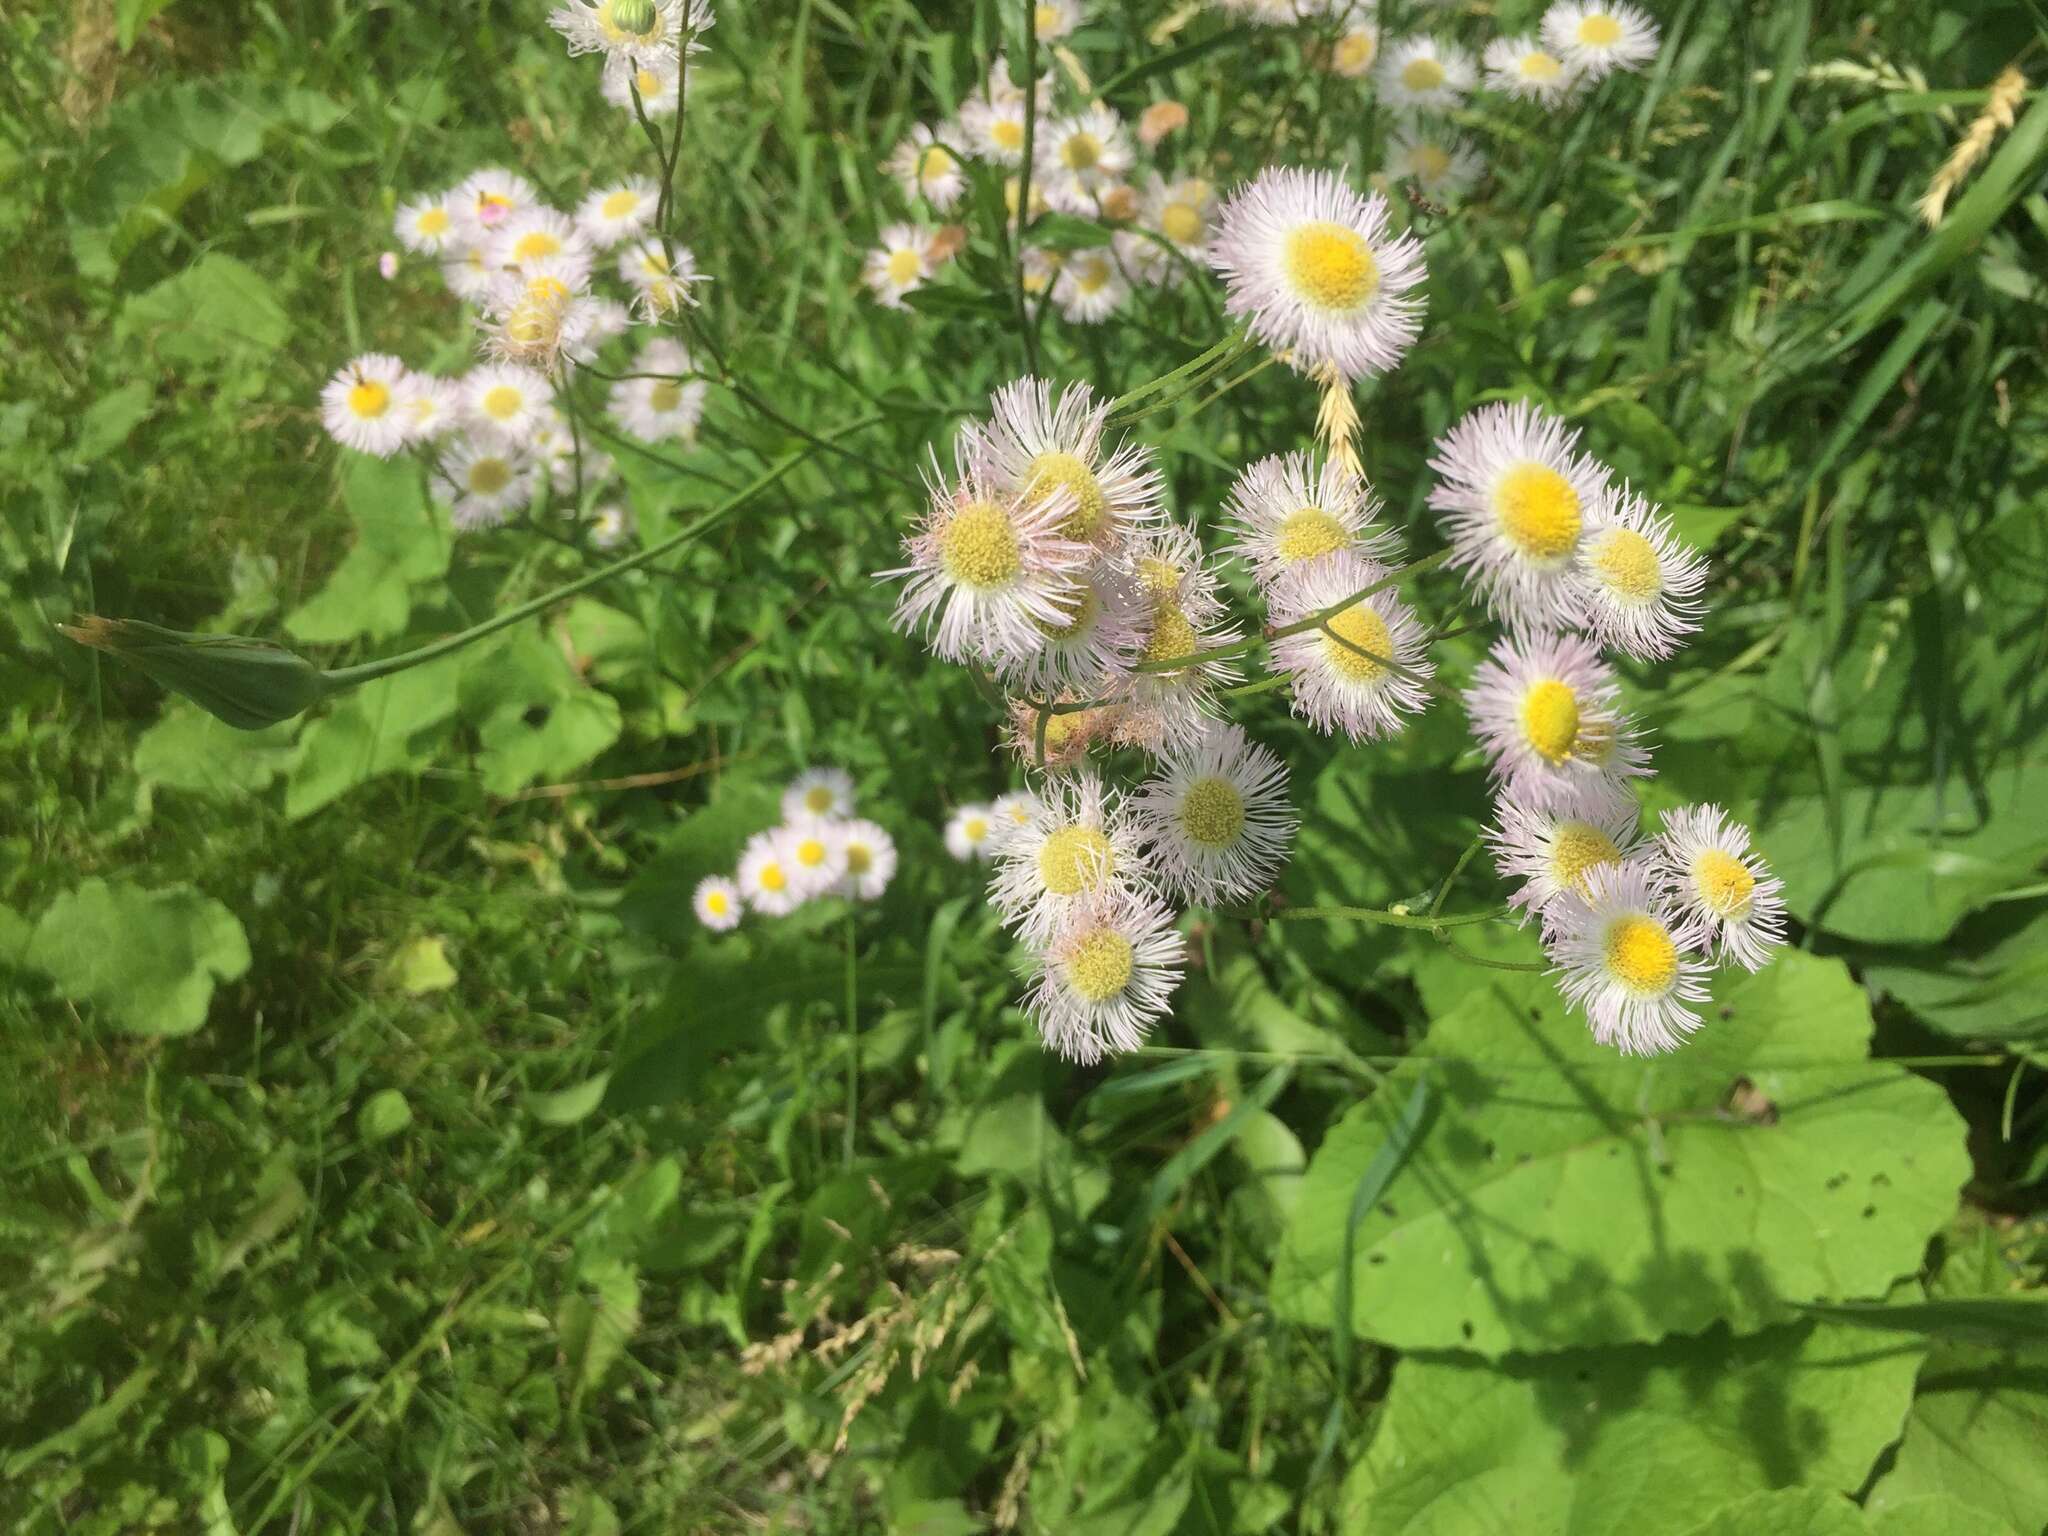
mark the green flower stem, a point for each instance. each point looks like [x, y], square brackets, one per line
[852, 1044]
[354, 677]
[1024, 327]
[1432, 922]
[1187, 375]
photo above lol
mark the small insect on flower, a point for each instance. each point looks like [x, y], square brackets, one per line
[1080, 158]
[1037, 446]
[969, 833]
[485, 480]
[1055, 19]
[1513, 494]
[1078, 843]
[1105, 976]
[619, 212]
[1089, 288]
[658, 83]
[1441, 164]
[925, 168]
[818, 792]
[899, 265]
[988, 570]
[816, 854]
[507, 401]
[1622, 956]
[870, 860]
[718, 903]
[661, 401]
[1727, 892]
[766, 879]
[1318, 273]
[1522, 68]
[1639, 587]
[1601, 36]
[1420, 74]
[1287, 513]
[1551, 848]
[362, 406]
[427, 224]
[1215, 821]
[1364, 670]
[1546, 710]
[486, 200]
[610, 526]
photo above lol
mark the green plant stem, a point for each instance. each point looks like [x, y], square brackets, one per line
[1024, 326]
[1431, 922]
[852, 1044]
[1223, 351]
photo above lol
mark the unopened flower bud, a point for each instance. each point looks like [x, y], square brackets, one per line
[248, 683]
[633, 16]
[946, 243]
[387, 265]
[1120, 203]
[1160, 119]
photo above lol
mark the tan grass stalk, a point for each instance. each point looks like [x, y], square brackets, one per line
[1337, 423]
[2007, 92]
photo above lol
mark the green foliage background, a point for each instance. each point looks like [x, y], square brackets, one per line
[384, 1148]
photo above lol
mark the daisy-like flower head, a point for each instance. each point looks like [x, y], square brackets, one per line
[467, 270]
[539, 241]
[1037, 446]
[1522, 68]
[899, 265]
[1318, 273]
[618, 212]
[992, 125]
[662, 290]
[432, 406]
[870, 860]
[1290, 512]
[1600, 36]
[1178, 213]
[1546, 711]
[718, 903]
[1340, 672]
[1079, 843]
[537, 322]
[1105, 976]
[1068, 733]
[1089, 288]
[1552, 848]
[362, 406]
[819, 793]
[659, 82]
[925, 168]
[1041, 270]
[989, 570]
[507, 400]
[624, 29]
[970, 831]
[816, 853]
[485, 480]
[1054, 19]
[1623, 955]
[428, 224]
[1639, 587]
[1215, 821]
[660, 401]
[1080, 158]
[610, 526]
[1721, 886]
[1100, 635]
[485, 201]
[767, 879]
[1420, 74]
[1356, 48]
[1513, 493]
[1441, 164]
[1014, 807]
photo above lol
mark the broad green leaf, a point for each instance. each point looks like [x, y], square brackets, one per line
[108, 420]
[1988, 982]
[381, 727]
[1565, 1194]
[190, 749]
[1625, 1441]
[595, 1321]
[569, 1105]
[1786, 1512]
[216, 313]
[147, 959]
[384, 1114]
[536, 717]
[401, 540]
[421, 966]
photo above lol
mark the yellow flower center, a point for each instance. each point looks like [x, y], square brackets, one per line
[1092, 274]
[368, 399]
[433, 221]
[859, 858]
[933, 164]
[1081, 152]
[1046, 19]
[1172, 635]
[502, 402]
[1181, 223]
[716, 904]
[1158, 579]
[1355, 52]
[1538, 511]
[1540, 66]
[1599, 30]
[533, 327]
[620, 203]
[1641, 956]
[1358, 626]
[487, 477]
[772, 877]
[1080, 608]
[1422, 74]
[1724, 883]
[1054, 471]
[1007, 132]
[665, 396]
[974, 829]
[1550, 720]
[904, 266]
[979, 546]
[1627, 566]
[1062, 730]
[647, 83]
[1576, 847]
[534, 245]
[1075, 859]
[817, 799]
[1100, 966]
[1212, 812]
[1307, 533]
[1428, 162]
[1330, 266]
[811, 852]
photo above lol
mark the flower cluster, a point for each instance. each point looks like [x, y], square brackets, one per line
[820, 849]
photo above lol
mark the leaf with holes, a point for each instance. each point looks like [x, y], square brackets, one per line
[1567, 1195]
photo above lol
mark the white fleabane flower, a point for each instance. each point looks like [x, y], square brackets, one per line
[988, 570]
[816, 853]
[427, 224]
[1054, 19]
[619, 212]
[766, 879]
[1547, 711]
[1100, 637]
[467, 270]
[925, 168]
[1179, 214]
[1721, 886]
[540, 241]
[1420, 74]
[1215, 820]
[1522, 68]
[1177, 584]
[1014, 808]
[507, 400]
[1318, 273]
[1037, 446]
[969, 831]
[661, 401]
[899, 265]
[1441, 164]
[1600, 36]
[362, 406]
[610, 526]
[1622, 955]
[1513, 493]
[485, 480]
[1339, 673]
[486, 200]
[870, 860]
[432, 406]
[1080, 158]
[1550, 849]
[609, 27]
[1089, 288]
[1356, 48]
[536, 322]
[1289, 512]
[659, 83]
[1105, 976]
[818, 792]
[993, 127]
[1078, 844]
[717, 903]
[662, 289]
[1639, 587]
